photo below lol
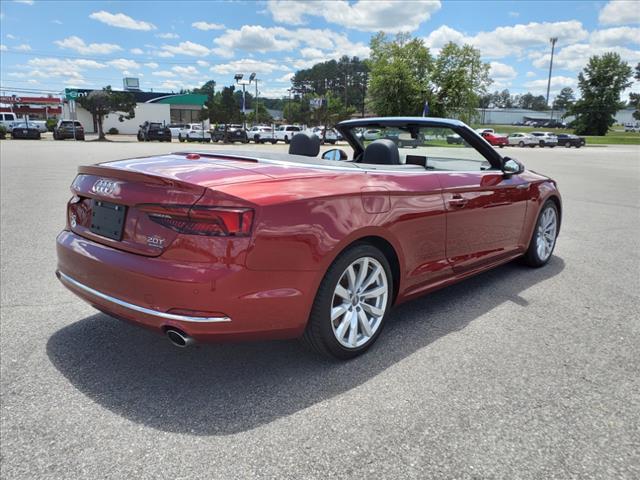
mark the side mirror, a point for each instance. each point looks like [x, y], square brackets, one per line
[335, 154]
[511, 166]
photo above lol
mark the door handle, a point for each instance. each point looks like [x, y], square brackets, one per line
[458, 201]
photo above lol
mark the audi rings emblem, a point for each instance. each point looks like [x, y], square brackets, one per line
[104, 187]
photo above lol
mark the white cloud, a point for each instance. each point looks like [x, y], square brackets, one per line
[286, 78]
[124, 64]
[255, 38]
[620, 12]
[613, 37]
[539, 87]
[531, 74]
[151, 65]
[186, 70]
[164, 73]
[365, 15]
[442, 35]
[10, 37]
[500, 71]
[120, 20]
[514, 14]
[202, 63]
[575, 57]
[3, 47]
[136, 51]
[25, 2]
[57, 22]
[312, 42]
[248, 65]
[207, 26]
[79, 45]
[23, 48]
[71, 71]
[187, 48]
[164, 54]
[168, 36]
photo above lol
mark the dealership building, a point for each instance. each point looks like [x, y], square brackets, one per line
[159, 107]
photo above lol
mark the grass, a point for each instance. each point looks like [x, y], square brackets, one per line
[614, 137]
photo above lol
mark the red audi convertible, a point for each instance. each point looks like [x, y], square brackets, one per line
[238, 245]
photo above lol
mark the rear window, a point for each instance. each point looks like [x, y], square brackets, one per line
[176, 125]
[155, 125]
[293, 129]
[70, 124]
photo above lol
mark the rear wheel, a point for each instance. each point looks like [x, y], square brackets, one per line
[351, 304]
[567, 144]
[544, 236]
[140, 137]
[521, 144]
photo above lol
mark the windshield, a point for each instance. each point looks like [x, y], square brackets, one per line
[436, 148]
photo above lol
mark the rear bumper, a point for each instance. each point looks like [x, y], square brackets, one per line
[209, 302]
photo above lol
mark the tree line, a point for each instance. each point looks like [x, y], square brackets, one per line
[403, 78]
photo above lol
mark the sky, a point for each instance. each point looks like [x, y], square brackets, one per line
[48, 45]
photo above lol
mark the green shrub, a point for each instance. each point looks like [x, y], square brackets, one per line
[3, 131]
[113, 131]
[51, 123]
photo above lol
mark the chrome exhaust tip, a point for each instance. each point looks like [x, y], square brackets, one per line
[179, 339]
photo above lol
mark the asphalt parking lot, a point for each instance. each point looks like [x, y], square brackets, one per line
[516, 373]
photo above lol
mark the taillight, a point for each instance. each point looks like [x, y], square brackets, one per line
[211, 221]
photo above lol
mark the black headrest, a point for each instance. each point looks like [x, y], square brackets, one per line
[305, 144]
[383, 151]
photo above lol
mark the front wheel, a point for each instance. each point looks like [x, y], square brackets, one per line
[567, 144]
[521, 144]
[544, 236]
[351, 304]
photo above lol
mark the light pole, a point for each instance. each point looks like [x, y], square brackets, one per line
[553, 41]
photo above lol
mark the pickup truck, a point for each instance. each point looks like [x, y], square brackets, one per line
[193, 132]
[10, 119]
[285, 132]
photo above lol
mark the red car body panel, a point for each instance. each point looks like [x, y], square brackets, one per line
[495, 140]
[440, 226]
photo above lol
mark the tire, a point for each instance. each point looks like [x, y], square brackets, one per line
[567, 144]
[286, 139]
[501, 146]
[543, 239]
[322, 333]
[551, 146]
[533, 145]
[521, 144]
[273, 142]
[140, 138]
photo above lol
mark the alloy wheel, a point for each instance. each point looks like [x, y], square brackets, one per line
[359, 302]
[546, 233]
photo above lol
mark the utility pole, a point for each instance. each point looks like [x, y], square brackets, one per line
[553, 41]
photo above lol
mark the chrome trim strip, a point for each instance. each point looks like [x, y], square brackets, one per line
[147, 311]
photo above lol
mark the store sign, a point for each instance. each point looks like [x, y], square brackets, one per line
[73, 94]
[11, 99]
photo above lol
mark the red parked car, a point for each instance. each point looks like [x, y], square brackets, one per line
[495, 140]
[239, 245]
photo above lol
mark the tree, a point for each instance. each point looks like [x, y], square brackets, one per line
[565, 99]
[399, 75]
[601, 82]
[264, 117]
[101, 103]
[459, 79]
[530, 101]
[634, 98]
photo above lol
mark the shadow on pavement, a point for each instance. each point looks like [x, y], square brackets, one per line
[228, 388]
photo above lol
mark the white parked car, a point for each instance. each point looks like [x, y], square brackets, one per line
[523, 140]
[370, 134]
[285, 132]
[546, 139]
[632, 127]
[193, 132]
[175, 129]
[8, 119]
[330, 137]
[261, 134]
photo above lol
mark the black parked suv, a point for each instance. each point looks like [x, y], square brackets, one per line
[569, 140]
[67, 128]
[154, 131]
[229, 134]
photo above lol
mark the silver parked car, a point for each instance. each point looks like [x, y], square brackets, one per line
[522, 139]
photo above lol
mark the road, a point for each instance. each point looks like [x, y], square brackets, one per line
[516, 373]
